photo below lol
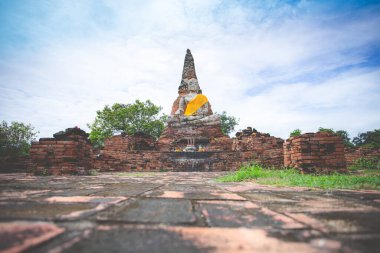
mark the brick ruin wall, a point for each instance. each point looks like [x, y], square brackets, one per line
[138, 141]
[262, 148]
[221, 154]
[353, 154]
[14, 164]
[315, 152]
[171, 161]
[119, 155]
[69, 152]
[176, 134]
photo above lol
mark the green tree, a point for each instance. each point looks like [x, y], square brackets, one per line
[346, 138]
[127, 118]
[370, 138]
[228, 122]
[295, 132]
[15, 138]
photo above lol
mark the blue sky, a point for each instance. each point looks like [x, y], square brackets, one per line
[276, 65]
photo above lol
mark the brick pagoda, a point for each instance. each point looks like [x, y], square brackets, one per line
[198, 127]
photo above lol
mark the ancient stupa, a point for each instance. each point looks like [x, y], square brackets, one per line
[192, 121]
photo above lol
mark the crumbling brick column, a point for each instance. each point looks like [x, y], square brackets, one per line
[315, 152]
[69, 152]
[259, 147]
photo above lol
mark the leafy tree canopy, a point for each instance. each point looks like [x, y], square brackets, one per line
[346, 137]
[15, 138]
[228, 122]
[370, 138]
[128, 118]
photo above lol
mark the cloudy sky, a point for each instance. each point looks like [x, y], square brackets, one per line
[276, 65]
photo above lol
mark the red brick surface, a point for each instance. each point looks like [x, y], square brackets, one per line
[138, 141]
[205, 134]
[265, 149]
[221, 152]
[353, 154]
[171, 161]
[14, 164]
[69, 152]
[313, 152]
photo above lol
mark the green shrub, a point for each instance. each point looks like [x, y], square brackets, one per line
[326, 130]
[296, 132]
[366, 163]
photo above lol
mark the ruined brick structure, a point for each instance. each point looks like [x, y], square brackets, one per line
[121, 150]
[200, 127]
[229, 154]
[353, 154]
[14, 164]
[315, 152]
[192, 141]
[171, 161]
[69, 152]
[265, 149]
[123, 142]
[180, 130]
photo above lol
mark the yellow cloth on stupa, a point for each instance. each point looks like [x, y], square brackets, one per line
[195, 104]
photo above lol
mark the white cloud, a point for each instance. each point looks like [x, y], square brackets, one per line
[341, 103]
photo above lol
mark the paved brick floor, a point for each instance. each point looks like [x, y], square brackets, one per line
[181, 212]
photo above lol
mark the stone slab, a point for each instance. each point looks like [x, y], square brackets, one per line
[165, 211]
[185, 212]
[166, 239]
[200, 194]
[244, 214]
[125, 189]
[350, 222]
[20, 236]
[44, 211]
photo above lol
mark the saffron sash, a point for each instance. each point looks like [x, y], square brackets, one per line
[195, 104]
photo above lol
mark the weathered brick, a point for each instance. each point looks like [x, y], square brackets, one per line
[324, 152]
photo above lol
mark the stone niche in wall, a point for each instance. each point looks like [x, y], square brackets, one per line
[315, 152]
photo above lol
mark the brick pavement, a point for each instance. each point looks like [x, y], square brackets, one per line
[180, 212]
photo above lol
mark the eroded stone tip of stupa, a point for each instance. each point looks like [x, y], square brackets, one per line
[188, 67]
